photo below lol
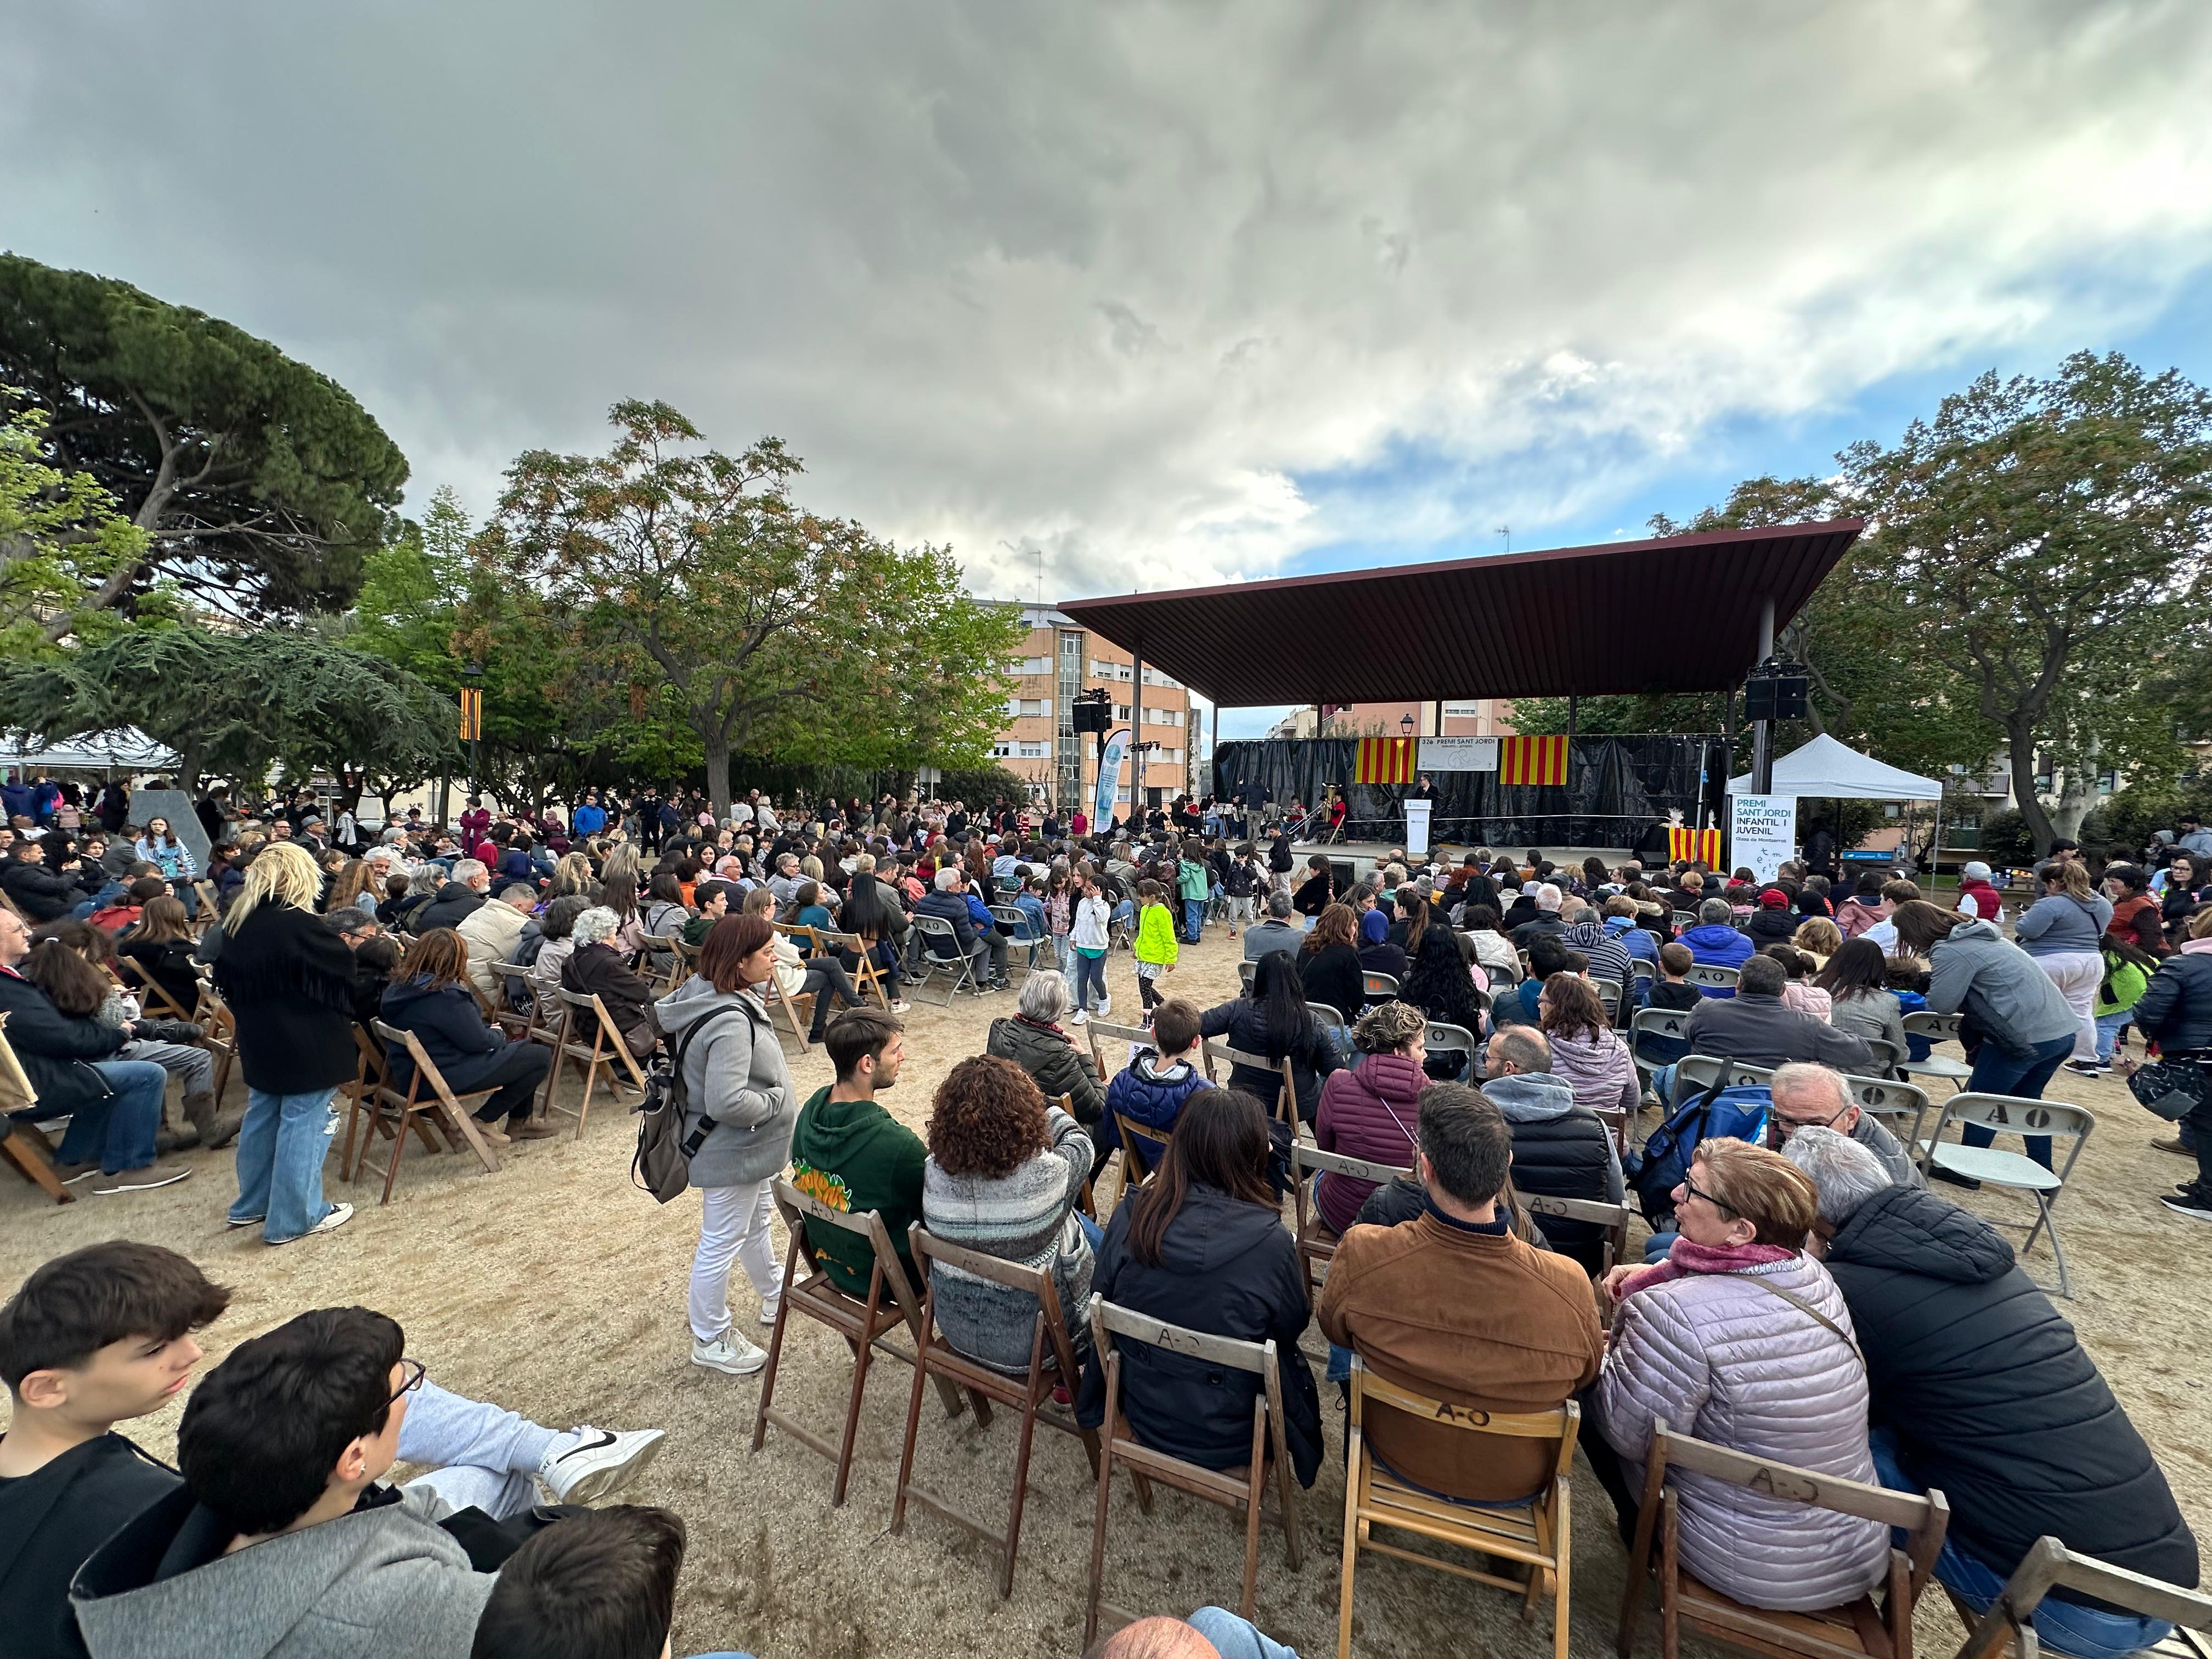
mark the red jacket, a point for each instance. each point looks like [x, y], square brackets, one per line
[2136, 919]
[1986, 902]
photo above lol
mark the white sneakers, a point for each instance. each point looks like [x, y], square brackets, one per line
[1105, 1004]
[729, 1353]
[769, 1309]
[605, 1461]
[1079, 1017]
[339, 1214]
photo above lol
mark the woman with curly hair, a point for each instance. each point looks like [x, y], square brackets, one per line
[1820, 938]
[1004, 1175]
[1371, 1114]
[572, 874]
[1439, 982]
[1585, 1049]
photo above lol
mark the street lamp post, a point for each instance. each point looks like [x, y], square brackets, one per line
[472, 719]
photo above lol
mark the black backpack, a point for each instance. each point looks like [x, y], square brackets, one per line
[662, 1163]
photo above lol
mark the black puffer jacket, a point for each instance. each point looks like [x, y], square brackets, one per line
[456, 901]
[1228, 1268]
[1242, 1024]
[1560, 1150]
[57, 1050]
[1049, 1055]
[2175, 1010]
[1992, 1397]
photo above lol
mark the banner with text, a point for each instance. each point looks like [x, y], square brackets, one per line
[1763, 833]
[1459, 755]
[1110, 781]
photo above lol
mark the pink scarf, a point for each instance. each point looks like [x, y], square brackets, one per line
[1687, 1257]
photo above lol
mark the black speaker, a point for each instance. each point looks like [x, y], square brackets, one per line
[1092, 716]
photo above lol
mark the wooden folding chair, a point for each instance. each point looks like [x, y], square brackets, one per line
[1861, 1628]
[21, 1143]
[776, 996]
[444, 1104]
[1286, 1101]
[1613, 1218]
[1242, 1490]
[370, 1093]
[674, 972]
[1316, 1239]
[210, 906]
[1051, 1364]
[156, 1002]
[866, 1324]
[2049, 1565]
[505, 1016]
[605, 1048]
[1536, 1534]
[866, 976]
[219, 1032]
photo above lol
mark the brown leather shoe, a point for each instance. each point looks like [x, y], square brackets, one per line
[2172, 1145]
[529, 1128]
[491, 1133]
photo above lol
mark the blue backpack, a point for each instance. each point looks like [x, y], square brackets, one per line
[1725, 1112]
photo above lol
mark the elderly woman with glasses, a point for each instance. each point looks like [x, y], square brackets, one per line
[1741, 1338]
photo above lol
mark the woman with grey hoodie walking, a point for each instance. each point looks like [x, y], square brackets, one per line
[2025, 1023]
[733, 1075]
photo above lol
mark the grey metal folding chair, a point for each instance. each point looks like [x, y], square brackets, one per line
[1937, 1029]
[936, 931]
[2015, 1172]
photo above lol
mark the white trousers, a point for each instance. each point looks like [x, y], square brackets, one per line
[2077, 974]
[733, 1224]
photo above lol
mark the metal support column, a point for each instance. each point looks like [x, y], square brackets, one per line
[1762, 731]
[1136, 734]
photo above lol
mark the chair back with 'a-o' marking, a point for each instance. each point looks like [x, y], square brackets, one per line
[1536, 1534]
[1111, 1326]
[1861, 1626]
[1286, 1101]
[1696, 1072]
[866, 1322]
[1316, 1239]
[1711, 976]
[1601, 1213]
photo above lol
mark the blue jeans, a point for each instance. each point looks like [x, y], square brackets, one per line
[1092, 1231]
[1999, 1074]
[1090, 970]
[2108, 1032]
[119, 1130]
[2064, 1627]
[1193, 917]
[281, 1147]
[1237, 1638]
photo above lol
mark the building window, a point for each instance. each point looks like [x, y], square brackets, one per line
[1003, 750]
[1121, 711]
[1032, 664]
[1034, 752]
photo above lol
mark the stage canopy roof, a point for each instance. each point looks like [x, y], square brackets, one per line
[1824, 769]
[124, 749]
[1679, 614]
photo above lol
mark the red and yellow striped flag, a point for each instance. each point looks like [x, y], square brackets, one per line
[1532, 760]
[1387, 760]
[1696, 845]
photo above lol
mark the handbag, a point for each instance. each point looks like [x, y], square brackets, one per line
[2172, 1088]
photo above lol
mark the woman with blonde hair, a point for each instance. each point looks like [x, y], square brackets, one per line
[572, 874]
[289, 981]
[1819, 938]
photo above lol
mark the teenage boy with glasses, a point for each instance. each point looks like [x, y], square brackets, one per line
[108, 1332]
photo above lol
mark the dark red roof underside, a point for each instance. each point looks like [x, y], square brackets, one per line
[1679, 614]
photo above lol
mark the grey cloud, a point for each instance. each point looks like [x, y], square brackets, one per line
[1108, 280]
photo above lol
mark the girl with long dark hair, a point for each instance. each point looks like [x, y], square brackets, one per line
[1201, 1245]
[1274, 1021]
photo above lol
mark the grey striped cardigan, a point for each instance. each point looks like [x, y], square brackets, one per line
[1027, 1216]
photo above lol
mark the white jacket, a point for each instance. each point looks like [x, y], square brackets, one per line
[1092, 917]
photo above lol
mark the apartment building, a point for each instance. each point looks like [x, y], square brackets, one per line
[1039, 743]
[1481, 717]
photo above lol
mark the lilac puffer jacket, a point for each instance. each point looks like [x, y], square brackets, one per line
[1728, 1361]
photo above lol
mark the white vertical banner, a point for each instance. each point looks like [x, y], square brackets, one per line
[1109, 780]
[1417, 828]
[1763, 833]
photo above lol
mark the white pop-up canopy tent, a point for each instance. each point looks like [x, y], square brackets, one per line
[1824, 769]
[125, 749]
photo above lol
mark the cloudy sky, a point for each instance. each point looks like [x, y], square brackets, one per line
[1171, 295]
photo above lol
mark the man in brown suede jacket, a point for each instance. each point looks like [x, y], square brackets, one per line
[1454, 1306]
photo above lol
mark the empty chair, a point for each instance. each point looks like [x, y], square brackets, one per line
[1993, 1166]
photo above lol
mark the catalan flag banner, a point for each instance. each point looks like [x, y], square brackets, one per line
[1388, 760]
[1532, 760]
[1699, 846]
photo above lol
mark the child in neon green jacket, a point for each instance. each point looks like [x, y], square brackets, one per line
[1155, 949]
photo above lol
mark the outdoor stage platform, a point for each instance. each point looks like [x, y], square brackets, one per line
[1366, 855]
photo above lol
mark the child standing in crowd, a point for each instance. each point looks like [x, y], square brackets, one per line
[1194, 885]
[1088, 939]
[1155, 942]
[1058, 918]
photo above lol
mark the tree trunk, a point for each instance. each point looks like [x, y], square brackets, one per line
[2020, 750]
[717, 750]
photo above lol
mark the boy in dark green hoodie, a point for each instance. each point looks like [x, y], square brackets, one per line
[851, 1155]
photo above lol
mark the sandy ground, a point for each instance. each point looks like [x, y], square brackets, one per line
[556, 1288]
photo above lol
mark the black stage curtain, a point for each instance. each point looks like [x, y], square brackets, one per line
[1618, 793]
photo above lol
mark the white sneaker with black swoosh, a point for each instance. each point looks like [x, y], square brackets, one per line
[602, 1463]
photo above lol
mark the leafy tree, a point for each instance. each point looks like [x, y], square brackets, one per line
[234, 702]
[260, 484]
[690, 574]
[2033, 535]
[61, 538]
[979, 786]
